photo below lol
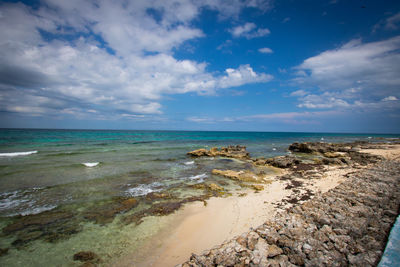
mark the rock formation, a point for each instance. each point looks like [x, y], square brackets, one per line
[238, 152]
[346, 226]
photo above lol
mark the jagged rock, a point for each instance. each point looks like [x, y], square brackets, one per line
[347, 225]
[252, 239]
[274, 250]
[199, 153]
[282, 161]
[215, 187]
[238, 152]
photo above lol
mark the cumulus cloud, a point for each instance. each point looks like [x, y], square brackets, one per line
[249, 30]
[265, 50]
[112, 57]
[370, 70]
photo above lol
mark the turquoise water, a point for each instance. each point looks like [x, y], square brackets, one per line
[145, 160]
[43, 173]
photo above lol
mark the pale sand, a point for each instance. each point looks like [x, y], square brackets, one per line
[388, 151]
[196, 227]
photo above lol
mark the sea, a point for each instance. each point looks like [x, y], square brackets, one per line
[60, 189]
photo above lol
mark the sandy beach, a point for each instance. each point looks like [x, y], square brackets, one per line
[197, 227]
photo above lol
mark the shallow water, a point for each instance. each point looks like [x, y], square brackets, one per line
[55, 182]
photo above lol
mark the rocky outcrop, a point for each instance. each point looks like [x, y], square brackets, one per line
[244, 176]
[279, 162]
[347, 226]
[238, 152]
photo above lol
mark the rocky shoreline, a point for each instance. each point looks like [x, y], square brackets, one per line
[346, 226]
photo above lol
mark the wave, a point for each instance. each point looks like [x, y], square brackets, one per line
[91, 164]
[199, 176]
[21, 202]
[15, 154]
[144, 189]
[189, 163]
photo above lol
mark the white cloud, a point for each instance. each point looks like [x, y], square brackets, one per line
[265, 50]
[390, 98]
[244, 74]
[350, 100]
[129, 73]
[391, 23]
[288, 115]
[299, 93]
[373, 68]
[249, 30]
[201, 119]
[285, 117]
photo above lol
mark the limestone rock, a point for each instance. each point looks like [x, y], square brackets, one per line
[238, 152]
[257, 187]
[244, 176]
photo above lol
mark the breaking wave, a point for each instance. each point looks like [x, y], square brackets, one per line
[15, 154]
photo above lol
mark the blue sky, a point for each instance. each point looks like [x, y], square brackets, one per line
[249, 65]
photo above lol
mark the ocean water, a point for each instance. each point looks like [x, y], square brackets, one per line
[53, 181]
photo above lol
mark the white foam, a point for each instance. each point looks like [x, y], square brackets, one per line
[189, 163]
[37, 210]
[21, 203]
[199, 176]
[15, 154]
[144, 189]
[91, 164]
[274, 149]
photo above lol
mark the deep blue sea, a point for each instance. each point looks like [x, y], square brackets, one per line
[75, 170]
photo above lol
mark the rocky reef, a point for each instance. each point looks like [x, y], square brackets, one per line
[238, 152]
[346, 226]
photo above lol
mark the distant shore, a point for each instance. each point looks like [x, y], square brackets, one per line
[198, 227]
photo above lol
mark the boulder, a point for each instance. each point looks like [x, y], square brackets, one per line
[282, 161]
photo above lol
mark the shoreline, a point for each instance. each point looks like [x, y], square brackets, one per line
[196, 227]
[326, 230]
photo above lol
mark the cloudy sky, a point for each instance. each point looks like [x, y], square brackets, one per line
[257, 65]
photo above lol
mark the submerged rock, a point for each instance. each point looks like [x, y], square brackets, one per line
[215, 187]
[49, 225]
[105, 213]
[85, 256]
[238, 152]
[3, 251]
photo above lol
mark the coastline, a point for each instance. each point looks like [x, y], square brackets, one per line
[197, 227]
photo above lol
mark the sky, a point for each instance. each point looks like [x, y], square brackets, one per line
[238, 65]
